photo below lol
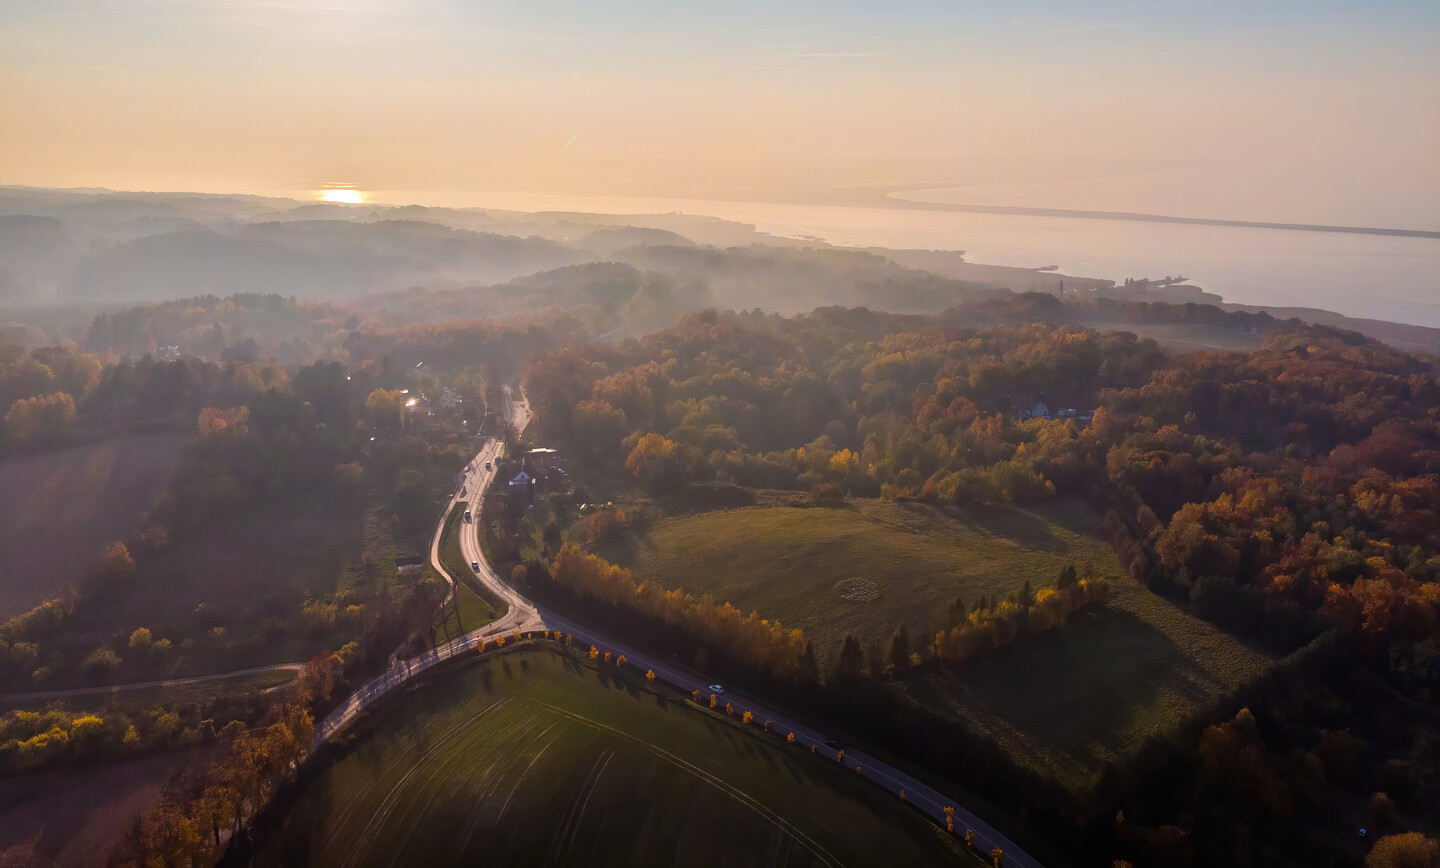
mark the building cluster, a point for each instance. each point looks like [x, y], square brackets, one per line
[1034, 408]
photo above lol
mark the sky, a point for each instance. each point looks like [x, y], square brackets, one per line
[1314, 111]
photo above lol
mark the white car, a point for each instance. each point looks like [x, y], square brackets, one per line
[716, 688]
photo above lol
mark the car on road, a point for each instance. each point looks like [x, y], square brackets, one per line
[467, 515]
[487, 465]
[833, 742]
[475, 565]
[716, 688]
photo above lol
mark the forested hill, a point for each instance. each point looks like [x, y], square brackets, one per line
[1288, 495]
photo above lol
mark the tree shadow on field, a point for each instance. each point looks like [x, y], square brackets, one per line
[487, 679]
[1080, 688]
[570, 664]
[662, 701]
[801, 775]
[505, 665]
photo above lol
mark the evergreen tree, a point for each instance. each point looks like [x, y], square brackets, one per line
[900, 648]
[852, 659]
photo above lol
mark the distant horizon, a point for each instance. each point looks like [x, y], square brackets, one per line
[882, 196]
[1388, 275]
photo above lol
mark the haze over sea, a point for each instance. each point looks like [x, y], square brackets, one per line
[1374, 276]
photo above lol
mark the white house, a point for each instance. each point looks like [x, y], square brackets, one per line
[449, 401]
[1037, 410]
[523, 480]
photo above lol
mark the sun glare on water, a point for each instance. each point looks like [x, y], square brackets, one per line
[341, 194]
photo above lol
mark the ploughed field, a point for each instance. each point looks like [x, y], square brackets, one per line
[61, 510]
[531, 758]
[1063, 703]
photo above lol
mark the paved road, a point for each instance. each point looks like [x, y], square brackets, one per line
[525, 616]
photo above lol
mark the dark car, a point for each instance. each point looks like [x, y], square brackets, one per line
[833, 742]
[475, 565]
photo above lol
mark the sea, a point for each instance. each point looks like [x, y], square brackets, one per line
[1375, 276]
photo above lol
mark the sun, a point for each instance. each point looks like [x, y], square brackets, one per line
[343, 195]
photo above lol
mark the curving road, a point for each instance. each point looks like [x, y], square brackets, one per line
[525, 616]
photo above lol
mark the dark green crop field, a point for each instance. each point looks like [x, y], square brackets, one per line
[532, 758]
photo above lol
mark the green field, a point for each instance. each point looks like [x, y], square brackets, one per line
[1064, 703]
[794, 564]
[474, 605]
[1068, 702]
[533, 758]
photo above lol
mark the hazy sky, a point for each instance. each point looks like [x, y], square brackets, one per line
[1312, 111]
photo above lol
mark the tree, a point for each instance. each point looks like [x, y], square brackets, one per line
[653, 463]
[900, 648]
[30, 419]
[852, 659]
[386, 407]
[141, 638]
[224, 421]
[1409, 850]
[118, 563]
[650, 675]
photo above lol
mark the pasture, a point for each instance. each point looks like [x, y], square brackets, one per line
[868, 567]
[61, 510]
[1065, 703]
[533, 758]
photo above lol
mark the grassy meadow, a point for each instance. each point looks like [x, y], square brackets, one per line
[911, 560]
[1065, 702]
[63, 509]
[532, 758]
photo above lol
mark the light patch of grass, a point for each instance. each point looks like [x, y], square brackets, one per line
[795, 564]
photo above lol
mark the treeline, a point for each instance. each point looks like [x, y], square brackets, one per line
[497, 346]
[755, 641]
[1029, 613]
[256, 326]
